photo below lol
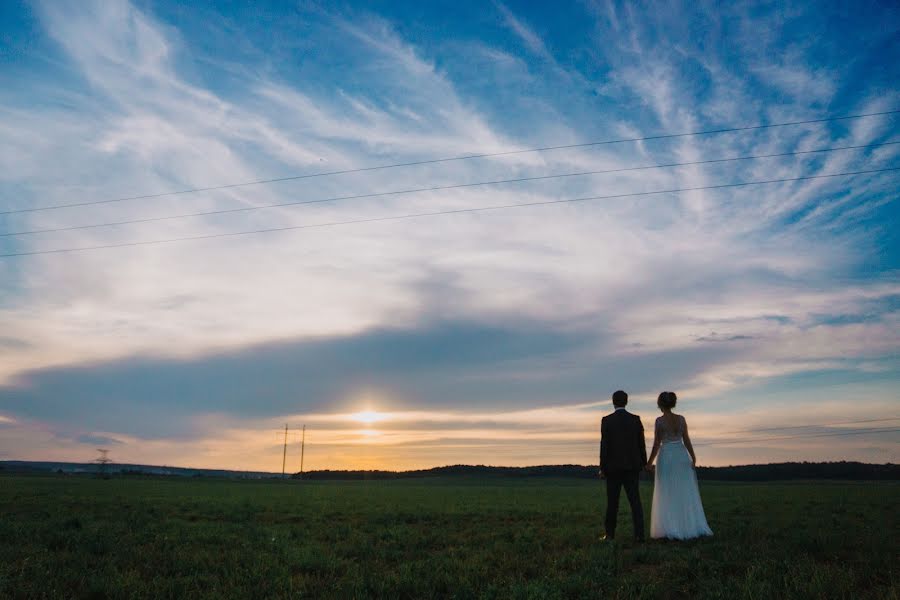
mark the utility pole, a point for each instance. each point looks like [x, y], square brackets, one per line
[287, 433]
[302, 449]
[284, 454]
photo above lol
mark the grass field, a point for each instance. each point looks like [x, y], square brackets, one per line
[78, 537]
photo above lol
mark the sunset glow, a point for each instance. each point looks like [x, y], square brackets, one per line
[369, 416]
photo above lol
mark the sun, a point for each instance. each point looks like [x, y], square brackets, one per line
[368, 416]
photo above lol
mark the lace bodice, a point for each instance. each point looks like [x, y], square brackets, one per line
[665, 434]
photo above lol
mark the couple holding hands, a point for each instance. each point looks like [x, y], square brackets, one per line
[677, 511]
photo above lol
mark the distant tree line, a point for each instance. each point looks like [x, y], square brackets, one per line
[802, 470]
[846, 471]
[769, 472]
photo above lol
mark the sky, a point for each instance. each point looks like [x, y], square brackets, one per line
[487, 337]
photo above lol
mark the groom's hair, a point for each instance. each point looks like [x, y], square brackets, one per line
[620, 398]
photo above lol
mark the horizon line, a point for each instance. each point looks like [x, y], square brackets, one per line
[424, 469]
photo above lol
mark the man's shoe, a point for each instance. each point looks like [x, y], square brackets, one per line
[607, 538]
[640, 540]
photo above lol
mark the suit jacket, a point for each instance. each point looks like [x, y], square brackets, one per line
[622, 446]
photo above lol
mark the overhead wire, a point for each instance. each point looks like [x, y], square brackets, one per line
[457, 158]
[851, 431]
[437, 188]
[445, 212]
[759, 429]
[870, 430]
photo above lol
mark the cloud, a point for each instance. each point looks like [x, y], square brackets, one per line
[13, 343]
[445, 364]
[531, 39]
[717, 337]
[97, 440]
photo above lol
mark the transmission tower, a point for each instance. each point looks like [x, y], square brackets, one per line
[285, 435]
[102, 461]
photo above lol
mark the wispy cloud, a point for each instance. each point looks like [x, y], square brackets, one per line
[531, 39]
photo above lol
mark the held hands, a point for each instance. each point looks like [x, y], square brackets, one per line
[649, 468]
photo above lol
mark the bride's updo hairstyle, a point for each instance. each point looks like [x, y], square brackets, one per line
[667, 400]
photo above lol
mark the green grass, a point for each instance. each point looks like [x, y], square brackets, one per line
[78, 537]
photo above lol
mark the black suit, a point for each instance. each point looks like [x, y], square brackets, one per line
[623, 454]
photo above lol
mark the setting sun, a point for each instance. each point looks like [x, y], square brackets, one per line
[369, 416]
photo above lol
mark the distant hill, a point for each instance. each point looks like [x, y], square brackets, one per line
[26, 466]
[768, 472]
[577, 471]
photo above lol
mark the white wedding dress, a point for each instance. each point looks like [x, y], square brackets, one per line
[677, 511]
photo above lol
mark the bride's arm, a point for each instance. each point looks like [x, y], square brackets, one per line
[655, 446]
[687, 442]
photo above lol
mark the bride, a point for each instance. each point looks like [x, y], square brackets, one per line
[677, 510]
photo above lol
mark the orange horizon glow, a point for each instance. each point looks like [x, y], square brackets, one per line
[422, 439]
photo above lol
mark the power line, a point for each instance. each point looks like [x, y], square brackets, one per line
[801, 437]
[445, 212]
[438, 188]
[871, 430]
[814, 426]
[456, 158]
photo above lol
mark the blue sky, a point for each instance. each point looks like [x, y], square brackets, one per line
[493, 337]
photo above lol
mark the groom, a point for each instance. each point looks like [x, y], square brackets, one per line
[623, 455]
